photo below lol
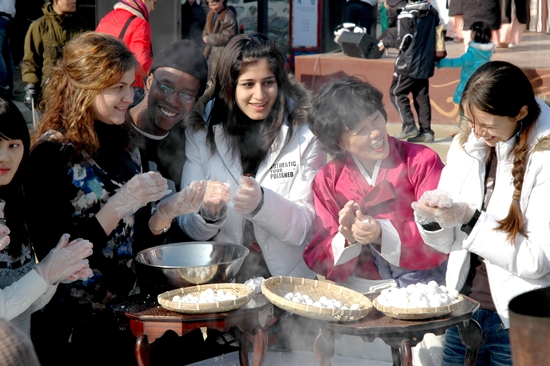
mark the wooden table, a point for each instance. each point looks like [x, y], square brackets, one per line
[401, 335]
[149, 321]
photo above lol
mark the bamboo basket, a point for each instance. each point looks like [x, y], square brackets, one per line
[244, 295]
[417, 313]
[275, 288]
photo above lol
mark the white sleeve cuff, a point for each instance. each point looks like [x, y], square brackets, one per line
[391, 242]
[341, 253]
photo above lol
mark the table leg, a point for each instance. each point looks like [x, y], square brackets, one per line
[470, 335]
[259, 341]
[143, 350]
[323, 347]
[395, 356]
[407, 353]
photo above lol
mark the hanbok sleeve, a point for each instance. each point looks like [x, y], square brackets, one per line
[319, 254]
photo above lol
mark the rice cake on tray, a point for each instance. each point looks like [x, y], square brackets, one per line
[418, 301]
[354, 305]
[234, 296]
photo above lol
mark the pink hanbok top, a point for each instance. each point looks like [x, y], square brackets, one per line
[408, 171]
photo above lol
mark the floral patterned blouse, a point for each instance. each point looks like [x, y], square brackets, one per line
[64, 192]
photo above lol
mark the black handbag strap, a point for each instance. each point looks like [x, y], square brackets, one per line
[123, 31]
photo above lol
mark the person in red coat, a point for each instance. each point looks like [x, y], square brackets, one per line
[365, 231]
[129, 21]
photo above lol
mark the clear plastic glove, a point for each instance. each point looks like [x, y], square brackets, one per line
[186, 201]
[65, 260]
[248, 197]
[137, 192]
[82, 274]
[4, 232]
[458, 214]
[436, 198]
[422, 220]
[213, 205]
[429, 199]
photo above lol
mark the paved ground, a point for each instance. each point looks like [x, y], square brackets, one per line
[442, 137]
[297, 358]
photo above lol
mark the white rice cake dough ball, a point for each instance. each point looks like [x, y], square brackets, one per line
[206, 297]
[323, 302]
[418, 295]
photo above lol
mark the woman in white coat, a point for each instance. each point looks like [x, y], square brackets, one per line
[250, 132]
[491, 207]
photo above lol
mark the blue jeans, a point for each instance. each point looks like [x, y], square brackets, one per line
[6, 61]
[360, 14]
[495, 343]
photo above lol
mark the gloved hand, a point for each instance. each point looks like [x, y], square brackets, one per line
[423, 213]
[436, 198]
[213, 205]
[248, 197]
[4, 232]
[30, 95]
[186, 201]
[458, 214]
[82, 274]
[137, 192]
[64, 260]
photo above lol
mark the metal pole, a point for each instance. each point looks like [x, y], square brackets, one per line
[33, 114]
[262, 16]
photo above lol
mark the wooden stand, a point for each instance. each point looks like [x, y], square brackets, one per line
[401, 335]
[149, 321]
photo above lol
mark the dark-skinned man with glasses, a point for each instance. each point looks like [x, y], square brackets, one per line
[177, 78]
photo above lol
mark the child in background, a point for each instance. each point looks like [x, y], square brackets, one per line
[479, 52]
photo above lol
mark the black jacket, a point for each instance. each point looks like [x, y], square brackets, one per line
[415, 40]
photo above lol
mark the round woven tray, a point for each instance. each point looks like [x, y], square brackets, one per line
[417, 313]
[275, 288]
[243, 293]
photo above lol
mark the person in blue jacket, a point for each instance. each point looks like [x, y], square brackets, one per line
[479, 52]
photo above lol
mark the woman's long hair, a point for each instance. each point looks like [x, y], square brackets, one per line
[502, 89]
[91, 62]
[14, 127]
[241, 52]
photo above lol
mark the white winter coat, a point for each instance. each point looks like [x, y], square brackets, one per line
[285, 223]
[515, 268]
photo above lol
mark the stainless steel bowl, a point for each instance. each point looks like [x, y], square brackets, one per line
[171, 266]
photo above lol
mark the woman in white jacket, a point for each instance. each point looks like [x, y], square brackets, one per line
[491, 207]
[26, 286]
[249, 131]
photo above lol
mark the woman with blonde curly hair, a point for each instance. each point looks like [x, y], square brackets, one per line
[84, 178]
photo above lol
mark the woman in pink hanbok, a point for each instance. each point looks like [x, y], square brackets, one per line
[365, 232]
[366, 236]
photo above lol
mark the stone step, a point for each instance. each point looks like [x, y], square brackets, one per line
[442, 137]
